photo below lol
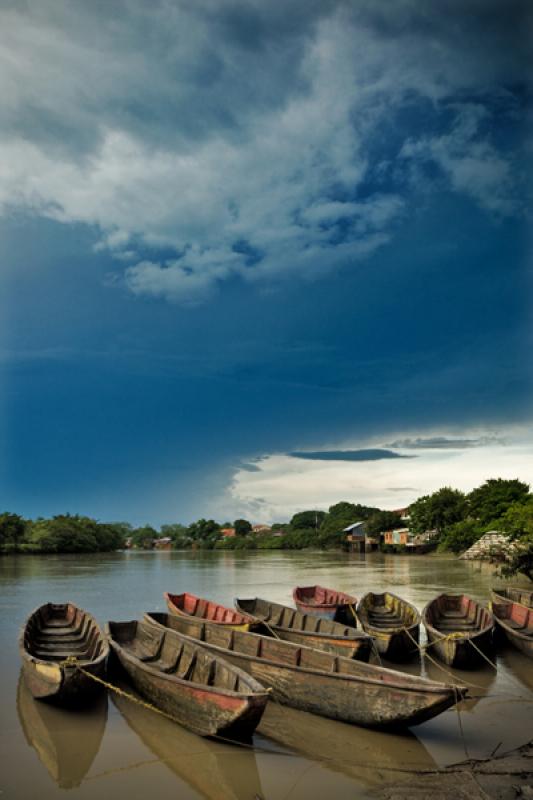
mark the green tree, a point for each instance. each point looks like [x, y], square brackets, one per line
[112, 535]
[461, 535]
[304, 520]
[144, 537]
[12, 531]
[204, 532]
[438, 510]
[518, 523]
[354, 511]
[242, 527]
[64, 534]
[339, 517]
[383, 521]
[178, 533]
[491, 500]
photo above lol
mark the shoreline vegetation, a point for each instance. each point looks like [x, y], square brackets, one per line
[455, 520]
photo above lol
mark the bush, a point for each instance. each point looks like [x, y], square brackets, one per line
[460, 536]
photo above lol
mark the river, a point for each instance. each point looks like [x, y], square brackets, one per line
[119, 748]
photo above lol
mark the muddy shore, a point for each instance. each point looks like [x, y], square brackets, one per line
[505, 777]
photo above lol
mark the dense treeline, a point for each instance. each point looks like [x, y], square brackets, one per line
[459, 519]
[61, 534]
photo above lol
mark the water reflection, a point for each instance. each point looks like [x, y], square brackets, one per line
[366, 755]
[478, 682]
[518, 666]
[216, 770]
[66, 742]
[124, 585]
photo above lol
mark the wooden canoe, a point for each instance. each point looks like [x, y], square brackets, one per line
[53, 633]
[176, 674]
[66, 744]
[319, 682]
[329, 603]
[514, 595]
[458, 628]
[293, 626]
[515, 620]
[192, 606]
[393, 623]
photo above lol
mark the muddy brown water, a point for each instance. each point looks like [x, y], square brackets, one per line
[117, 748]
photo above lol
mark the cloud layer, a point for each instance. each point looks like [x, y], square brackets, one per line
[280, 485]
[249, 140]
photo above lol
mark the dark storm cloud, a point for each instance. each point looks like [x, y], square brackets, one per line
[330, 194]
[371, 454]
[302, 130]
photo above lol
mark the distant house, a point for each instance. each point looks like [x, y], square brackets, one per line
[276, 533]
[358, 540]
[261, 528]
[164, 543]
[400, 536]
[403, 513]
[423, 542]
[227, 532]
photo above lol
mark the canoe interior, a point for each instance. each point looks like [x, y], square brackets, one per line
[280, 616]
[283, 653]
[515, 616]
[458, 613]
[319, 595]
[179, 658]
[523, 596]
[56, 631]
[387, 612]
[206, 609]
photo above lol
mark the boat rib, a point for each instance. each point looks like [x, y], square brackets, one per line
[329, 603]
[514, 595]
[312, 631]
[53, 634]
[193, 606]
[459, 630]
[319, 682]
[194, 687]
[515, 621]
[392, 622]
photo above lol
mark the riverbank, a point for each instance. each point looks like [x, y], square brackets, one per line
[505, 777]
[135, 752]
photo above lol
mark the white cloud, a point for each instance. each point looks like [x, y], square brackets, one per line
[472, 165]
[185, 138]
[282, 485]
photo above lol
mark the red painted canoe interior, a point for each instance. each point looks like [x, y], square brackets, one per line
[323, 596]
[214, 612]
[516, 616]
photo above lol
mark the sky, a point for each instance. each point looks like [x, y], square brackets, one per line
[257, 257]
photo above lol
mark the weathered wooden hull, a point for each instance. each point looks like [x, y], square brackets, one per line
[319, 682]
[66, 744]
[514, 595]
[515, 622]
[328, 603]
[189, 605]
[188, 698]
[46, 644]
[310, 630]
[459, 630]
[393, 623]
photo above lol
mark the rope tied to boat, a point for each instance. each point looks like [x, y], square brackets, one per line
[72, 661]
[373, 644]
